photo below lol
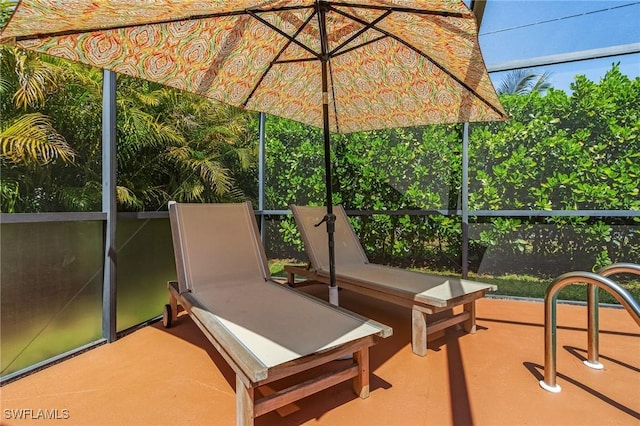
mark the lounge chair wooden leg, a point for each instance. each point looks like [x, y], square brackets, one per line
[361, 381]
[244, 403]
[173, 302]
[470, 325]
[418, 332]
[291, 279]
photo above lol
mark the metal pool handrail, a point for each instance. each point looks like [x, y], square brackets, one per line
[592, 314]
[593, 281]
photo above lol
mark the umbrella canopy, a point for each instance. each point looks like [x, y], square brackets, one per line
[391, 63]
[341, 66]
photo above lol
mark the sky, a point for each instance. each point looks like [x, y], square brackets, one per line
[521, 29]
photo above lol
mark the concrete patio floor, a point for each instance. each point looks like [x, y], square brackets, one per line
[154, 376]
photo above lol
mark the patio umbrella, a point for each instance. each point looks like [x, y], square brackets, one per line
[343, 66]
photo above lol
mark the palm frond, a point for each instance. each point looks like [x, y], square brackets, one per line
[542, 82]
[82, 199]
[246, 157]
[145, 130]
[32, 138]
[151, 98]
[235, 195]
[6, 70]
[36, 78]
[157, 195]
[524, 81]
[212, 173]
[179, 153]
[128, 198]
[88, 78]
[189, 190]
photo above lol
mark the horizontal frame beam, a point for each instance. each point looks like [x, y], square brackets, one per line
[478, 213]
[98, 216]
[563, 58]
[51, 217]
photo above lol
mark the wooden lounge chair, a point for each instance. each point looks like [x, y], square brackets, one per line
[264, 330]
[424, 294]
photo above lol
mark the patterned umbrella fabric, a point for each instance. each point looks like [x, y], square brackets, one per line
[391, 63]
[342, 66]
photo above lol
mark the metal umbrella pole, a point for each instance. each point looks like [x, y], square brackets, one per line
[329, 218]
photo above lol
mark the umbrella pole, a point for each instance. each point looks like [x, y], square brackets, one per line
[329, 218]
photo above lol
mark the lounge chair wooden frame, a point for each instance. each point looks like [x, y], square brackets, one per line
[431, 296]
[251, 370]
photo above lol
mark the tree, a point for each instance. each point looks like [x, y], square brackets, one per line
[28, 140]
[562, 152]
[171, 145]
[558, 152]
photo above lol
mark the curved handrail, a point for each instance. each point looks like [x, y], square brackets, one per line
[593, 350]
[619, 268]
[616, 290]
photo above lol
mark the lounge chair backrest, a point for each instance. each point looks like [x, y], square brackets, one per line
[216, 245]
[347, 246]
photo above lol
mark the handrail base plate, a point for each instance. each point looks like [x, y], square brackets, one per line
[554, 389]
[595, 365]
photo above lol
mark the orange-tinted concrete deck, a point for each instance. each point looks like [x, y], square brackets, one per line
[174, 377]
